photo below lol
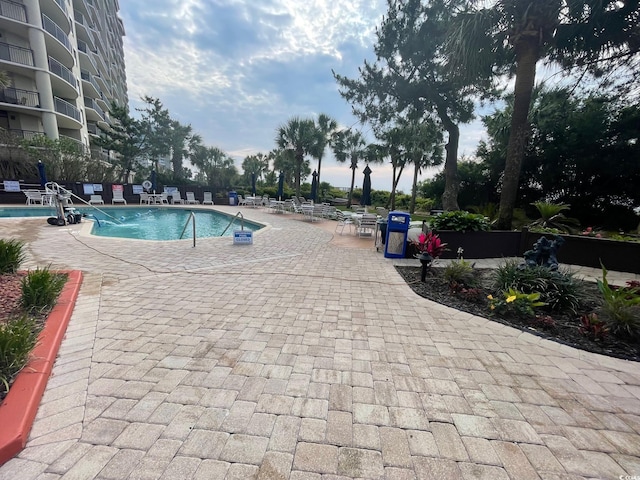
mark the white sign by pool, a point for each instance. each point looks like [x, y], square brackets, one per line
[242, 237]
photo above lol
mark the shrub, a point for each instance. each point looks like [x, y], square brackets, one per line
[511, 301]
[17, 339]
[11, 255]
[461, 273]
[621, 307]
[559, 290]
[460, 221]
[40, 289]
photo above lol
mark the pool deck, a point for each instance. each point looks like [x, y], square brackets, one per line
[305, 356]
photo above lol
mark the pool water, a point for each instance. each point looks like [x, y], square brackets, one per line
[145, 223]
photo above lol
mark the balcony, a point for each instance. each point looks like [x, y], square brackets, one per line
[84, 30]
[25, 134]
[65, 108]
[56, 32]
[90, 104]
[93, 129]
[15, 54]
[87, 61]
[17, 96]
[13, 10]
[87, 77]
[63, 81]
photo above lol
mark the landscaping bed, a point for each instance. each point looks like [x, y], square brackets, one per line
[561, 327]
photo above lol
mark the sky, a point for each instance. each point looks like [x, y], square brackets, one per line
[235, 70]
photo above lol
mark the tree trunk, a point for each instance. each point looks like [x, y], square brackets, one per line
[353, 181]
[451, 184]
[412, 205]
[527, 54]
[299, 159]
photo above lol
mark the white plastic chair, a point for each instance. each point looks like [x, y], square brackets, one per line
[33, 196]
[117, 197]
[343, 221]
[207, 199]
[144, 198]
[367, 225]
[96, 200]
[191, 198]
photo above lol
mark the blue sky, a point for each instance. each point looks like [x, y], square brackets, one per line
[237, 69]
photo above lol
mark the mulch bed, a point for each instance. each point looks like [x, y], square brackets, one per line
[562, 328]
[11, 288]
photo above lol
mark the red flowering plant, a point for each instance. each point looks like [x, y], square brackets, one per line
[430, 244]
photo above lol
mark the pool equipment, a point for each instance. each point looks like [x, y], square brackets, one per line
[60, 199]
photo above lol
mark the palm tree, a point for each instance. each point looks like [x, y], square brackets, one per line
[349, 145]
[326, 127]
[301, 137]
[490, 40]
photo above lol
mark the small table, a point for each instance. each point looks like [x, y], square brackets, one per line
[155, 197]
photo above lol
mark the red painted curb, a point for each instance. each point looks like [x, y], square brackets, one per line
[20, 406]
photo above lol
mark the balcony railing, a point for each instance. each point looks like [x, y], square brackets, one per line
[62, 5]
[82, 148]
[26, 134]
[90, 103]
[13, 10]
[18, 96]
[53, 28]
[86, 76]
[93, 129]
[65, 108]
[13, 53]
[63, 72]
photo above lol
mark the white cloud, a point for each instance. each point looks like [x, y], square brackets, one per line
[237, 69]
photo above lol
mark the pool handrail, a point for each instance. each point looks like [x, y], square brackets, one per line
[239, 214]
[192, 218]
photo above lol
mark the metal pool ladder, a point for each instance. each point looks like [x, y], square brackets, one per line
[192, 219]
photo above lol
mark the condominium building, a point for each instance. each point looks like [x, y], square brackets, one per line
[65, 64]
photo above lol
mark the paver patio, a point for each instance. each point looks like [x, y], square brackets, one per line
[302, 358]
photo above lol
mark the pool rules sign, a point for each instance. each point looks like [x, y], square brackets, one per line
[242, 237]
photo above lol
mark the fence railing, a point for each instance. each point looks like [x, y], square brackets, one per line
[16, 54]
[13, 10]
[65, 108]
[53, 28]
[63, 72]
[18, 96]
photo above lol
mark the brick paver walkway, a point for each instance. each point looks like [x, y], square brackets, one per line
[299, 358]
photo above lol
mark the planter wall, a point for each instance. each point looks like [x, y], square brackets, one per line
[577, 250]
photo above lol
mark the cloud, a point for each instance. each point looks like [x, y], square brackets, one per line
[237, 69]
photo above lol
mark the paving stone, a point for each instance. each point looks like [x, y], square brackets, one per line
[569, 456]
[139, 436]
[436, 469]
[339, 428]
[312, 430]
[366, 436]
[103, 431]
[210, 469]
[247, 449]
[285, 434]
[370, 414]
[121, 465]
[313, 457]
[472, 471]
[515, 462]
[204, 444]
[481, 451]
[449, 442]
[360, 463]
[474, 426]
[91, 463]
[395, 447]
[276, 465]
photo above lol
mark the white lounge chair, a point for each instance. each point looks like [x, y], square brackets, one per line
[191, 198]
[96, 200]
[33, 196]
[117, 197]
[207, 199]
[144, 198]
[176, 198]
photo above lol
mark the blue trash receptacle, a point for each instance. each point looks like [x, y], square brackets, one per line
[397, 231]
[233, 198]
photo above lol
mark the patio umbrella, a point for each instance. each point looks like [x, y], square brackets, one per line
[153, 181]
[42, 171]
[253, 184]
[366, 187]
[280, 186]
[314, 186]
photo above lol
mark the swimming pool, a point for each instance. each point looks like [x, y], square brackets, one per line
[144, 223]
